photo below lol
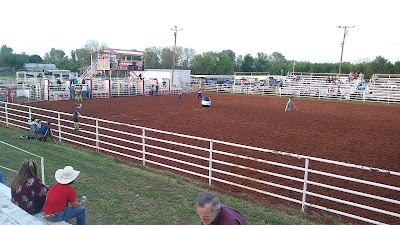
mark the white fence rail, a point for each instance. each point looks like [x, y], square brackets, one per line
[327, 185]
[374, 92]
[22, 150]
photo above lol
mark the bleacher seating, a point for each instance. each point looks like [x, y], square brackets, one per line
[10, 214]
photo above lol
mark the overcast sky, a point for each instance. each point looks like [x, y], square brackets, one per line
[302, 30]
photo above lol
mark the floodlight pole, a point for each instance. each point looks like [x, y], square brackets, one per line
[175, 30]
[342, 45]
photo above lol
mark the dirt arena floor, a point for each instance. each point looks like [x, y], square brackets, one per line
[353, 132]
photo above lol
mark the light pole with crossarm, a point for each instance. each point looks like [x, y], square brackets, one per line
[345, 32]
[175, 30]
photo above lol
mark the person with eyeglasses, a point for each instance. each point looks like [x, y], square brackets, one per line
[27, 190]
[212, 212]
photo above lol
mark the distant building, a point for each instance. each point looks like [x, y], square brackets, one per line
[38, 67]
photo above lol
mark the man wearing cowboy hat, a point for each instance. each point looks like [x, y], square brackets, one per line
[56, 206]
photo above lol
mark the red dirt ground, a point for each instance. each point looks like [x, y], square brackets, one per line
[360, 133]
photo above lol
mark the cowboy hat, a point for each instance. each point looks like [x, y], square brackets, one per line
[66, 175]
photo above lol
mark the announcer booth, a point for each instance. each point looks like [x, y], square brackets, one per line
[111, 61]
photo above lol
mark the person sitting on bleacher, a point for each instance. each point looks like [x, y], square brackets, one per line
[61, 203]
[27, 190]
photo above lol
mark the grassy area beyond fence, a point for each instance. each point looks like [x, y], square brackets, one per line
[121, 192]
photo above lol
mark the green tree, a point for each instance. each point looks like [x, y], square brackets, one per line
[226, 62]
[261, 63]
[93, 45]
[187, 58]
[57, 57]
[35, 59]
[247, 64]
[278, 63]
[6, 50]
[381, 66]
[239, 62]
[82, 56]
[166, 58]
[396, 67]
[153, 58]
[206, 63]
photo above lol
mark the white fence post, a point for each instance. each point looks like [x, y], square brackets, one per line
[363, 95]
[303, 199]
[30, 114]
[59, 126]
[97, 135]
[6, 111]
[143, 145]
[42, 168]
[210, 164]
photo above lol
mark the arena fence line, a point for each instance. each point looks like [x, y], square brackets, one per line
[387, 90]
[18, 163]
[327, 185]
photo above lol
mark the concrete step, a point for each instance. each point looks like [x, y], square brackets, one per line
[10, 214]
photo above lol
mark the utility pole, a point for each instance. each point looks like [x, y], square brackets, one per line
[294, 63]
[175, 30]
[345, 32]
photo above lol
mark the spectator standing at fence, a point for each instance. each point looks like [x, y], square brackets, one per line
[212, 212]
[152, 89]
[27, 190]
[84, 92]
[157, 87]
[72, 91]
[76, 115]
[61, 194]
[78, 93]
[164, 83]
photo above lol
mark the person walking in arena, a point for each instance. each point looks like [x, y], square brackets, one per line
[199, 94]
[289, 104]
[180, 96]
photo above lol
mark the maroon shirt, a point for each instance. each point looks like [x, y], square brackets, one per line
[29, 193]
[228, 216]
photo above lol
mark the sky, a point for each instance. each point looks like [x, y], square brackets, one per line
[302, 30]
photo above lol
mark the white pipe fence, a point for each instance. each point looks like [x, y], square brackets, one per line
[22, 150]
[322, 184]
[374, 93]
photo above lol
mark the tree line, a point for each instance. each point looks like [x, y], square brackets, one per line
[216, 63]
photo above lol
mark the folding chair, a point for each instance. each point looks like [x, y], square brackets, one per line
[47, 132]
[34, 126]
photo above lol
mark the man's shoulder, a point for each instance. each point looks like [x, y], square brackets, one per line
[231, 216]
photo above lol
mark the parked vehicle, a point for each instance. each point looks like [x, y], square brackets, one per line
[206, 101]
